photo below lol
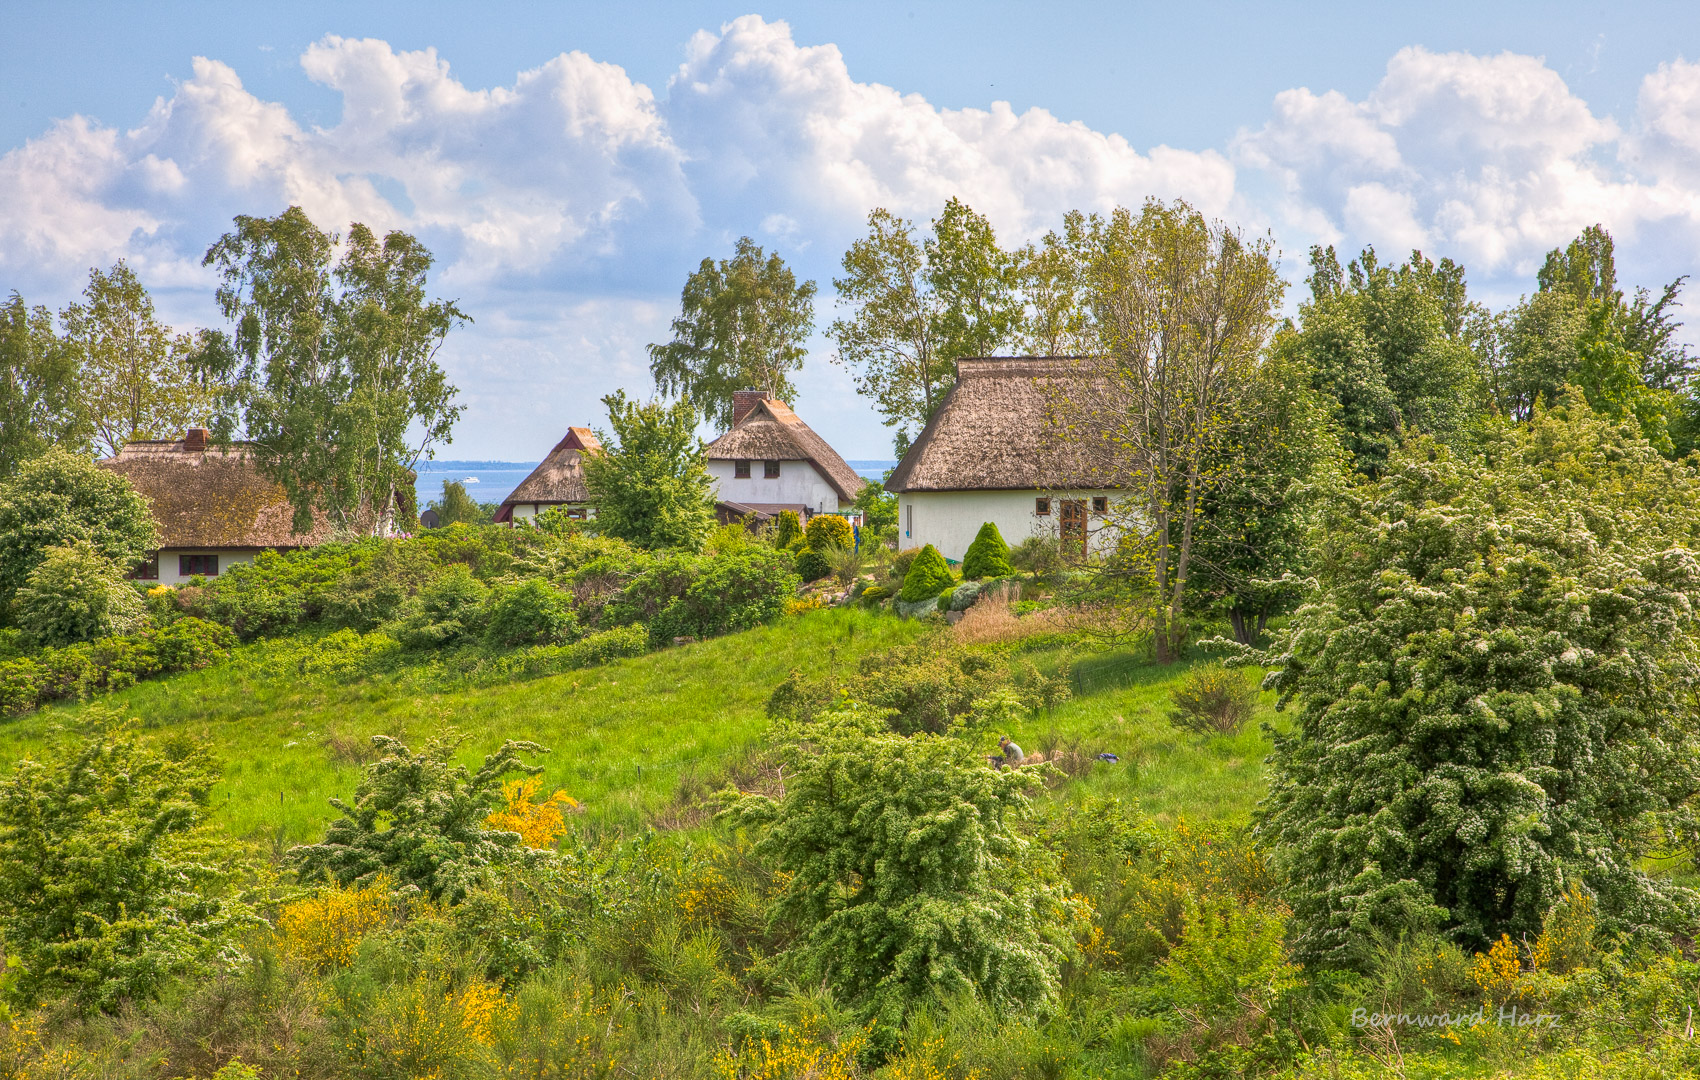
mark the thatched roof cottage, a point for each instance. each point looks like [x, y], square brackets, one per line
[213, 507]
[557, 481]
[771, 461]
[998, 449]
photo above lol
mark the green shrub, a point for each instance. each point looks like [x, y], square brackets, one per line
[873, 594]
[445, 611]
[1213, 700]
[826, 531]
[97, 899]
[1230, 958]
[376, 586]
[60, 498]
[988, 555]
[659, 581]
[812, 565]
[1037, 555]
[419, 820]
[787, 530]
[927, 577]
[529, 614]
[730, 593]
[593, 649]
[76, 594]
[21, 681]
[110, 663]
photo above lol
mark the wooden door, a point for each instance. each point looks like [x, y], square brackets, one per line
[1074, 528]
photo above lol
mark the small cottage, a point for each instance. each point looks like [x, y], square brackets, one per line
[557, 481]
[771, 461]
[211, 504]
[995, 451]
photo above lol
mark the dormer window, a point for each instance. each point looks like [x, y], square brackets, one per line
[770, 470]
[741, 469]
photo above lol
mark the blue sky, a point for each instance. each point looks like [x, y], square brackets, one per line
[570, 163]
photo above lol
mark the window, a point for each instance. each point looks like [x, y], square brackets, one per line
[1074, 527]
[148, 570]
[1100, 504]
[909, 520]
[741, 469]
[1042, 507]
[770, 470]
[191, 565]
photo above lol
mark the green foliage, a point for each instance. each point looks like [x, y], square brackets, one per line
[329, 369]
[878, 507]
[1388, 346]
[988, 555]
[828, 531]
[528, 614]
[812, 565]
[101, 897]
[1039, 556]
[588, 651]
[927, 576]
[75, 594]
[742, 323]
[731, 593]
[59, 498]
[447, 610]
[649, 483]
[786, 530]
[907, 873]
[110, 663]
[1492, 679]
[419, 820]
[1230, 957]
[456, 507]
[1213, 699]
[39, 405]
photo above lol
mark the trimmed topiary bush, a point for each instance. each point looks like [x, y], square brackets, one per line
[828, 531]
[927, 577]
[812, 565]
[988, 555]
[786, 529]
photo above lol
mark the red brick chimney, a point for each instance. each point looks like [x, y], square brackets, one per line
[745, 400]
[195, 439]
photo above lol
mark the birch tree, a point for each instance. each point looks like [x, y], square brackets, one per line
[1181, 308]
[329, 371]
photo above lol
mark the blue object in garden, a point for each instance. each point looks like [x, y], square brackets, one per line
[1108, 757]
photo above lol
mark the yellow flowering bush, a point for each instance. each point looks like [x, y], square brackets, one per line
[325, 929]
[539, 823]
[794, 1055]
[1497, 970]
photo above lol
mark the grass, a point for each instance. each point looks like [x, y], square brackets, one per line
[629, 737]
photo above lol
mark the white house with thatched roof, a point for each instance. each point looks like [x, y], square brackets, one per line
[557, 481]
[211, 504]
[771, 461]
[993, 451]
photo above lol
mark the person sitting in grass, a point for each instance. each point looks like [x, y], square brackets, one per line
[1012, 755]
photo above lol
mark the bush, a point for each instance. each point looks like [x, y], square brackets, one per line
[444, 612]
[730, 593]
[1037, 555]
[787, 530]
[927, 577]
[827, 531]
[812, 565]
[988, 555]
[1213, 700]
[60, 498]
[873, 594]
[110, 663]
[76, 594]
[98, 901]
[325, 929]
[529, 614]
[377, 584]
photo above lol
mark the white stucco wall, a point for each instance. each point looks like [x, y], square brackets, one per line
[798, 482]
[523, 511]
[949, 520]
[168, 563]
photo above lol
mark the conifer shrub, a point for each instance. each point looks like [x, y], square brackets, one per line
[928, 576]
[828, 531]
[787, 530]
[988, 555]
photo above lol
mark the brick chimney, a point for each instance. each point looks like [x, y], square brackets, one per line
[195, 439]
[745, 400]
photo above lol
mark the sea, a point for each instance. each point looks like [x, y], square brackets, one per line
[491, 481]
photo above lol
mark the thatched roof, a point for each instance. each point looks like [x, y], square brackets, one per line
[1000, 429]
[559, 478]
[772, 432]
[209, 497]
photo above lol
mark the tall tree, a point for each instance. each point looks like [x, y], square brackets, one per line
[135, 378]
[649, 483]
[39, 407]
[1182, 308]
[917, 305]
[742, 324]
[1392, 346]
[330, 369]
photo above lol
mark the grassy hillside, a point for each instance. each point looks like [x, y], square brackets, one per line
[628, 736]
